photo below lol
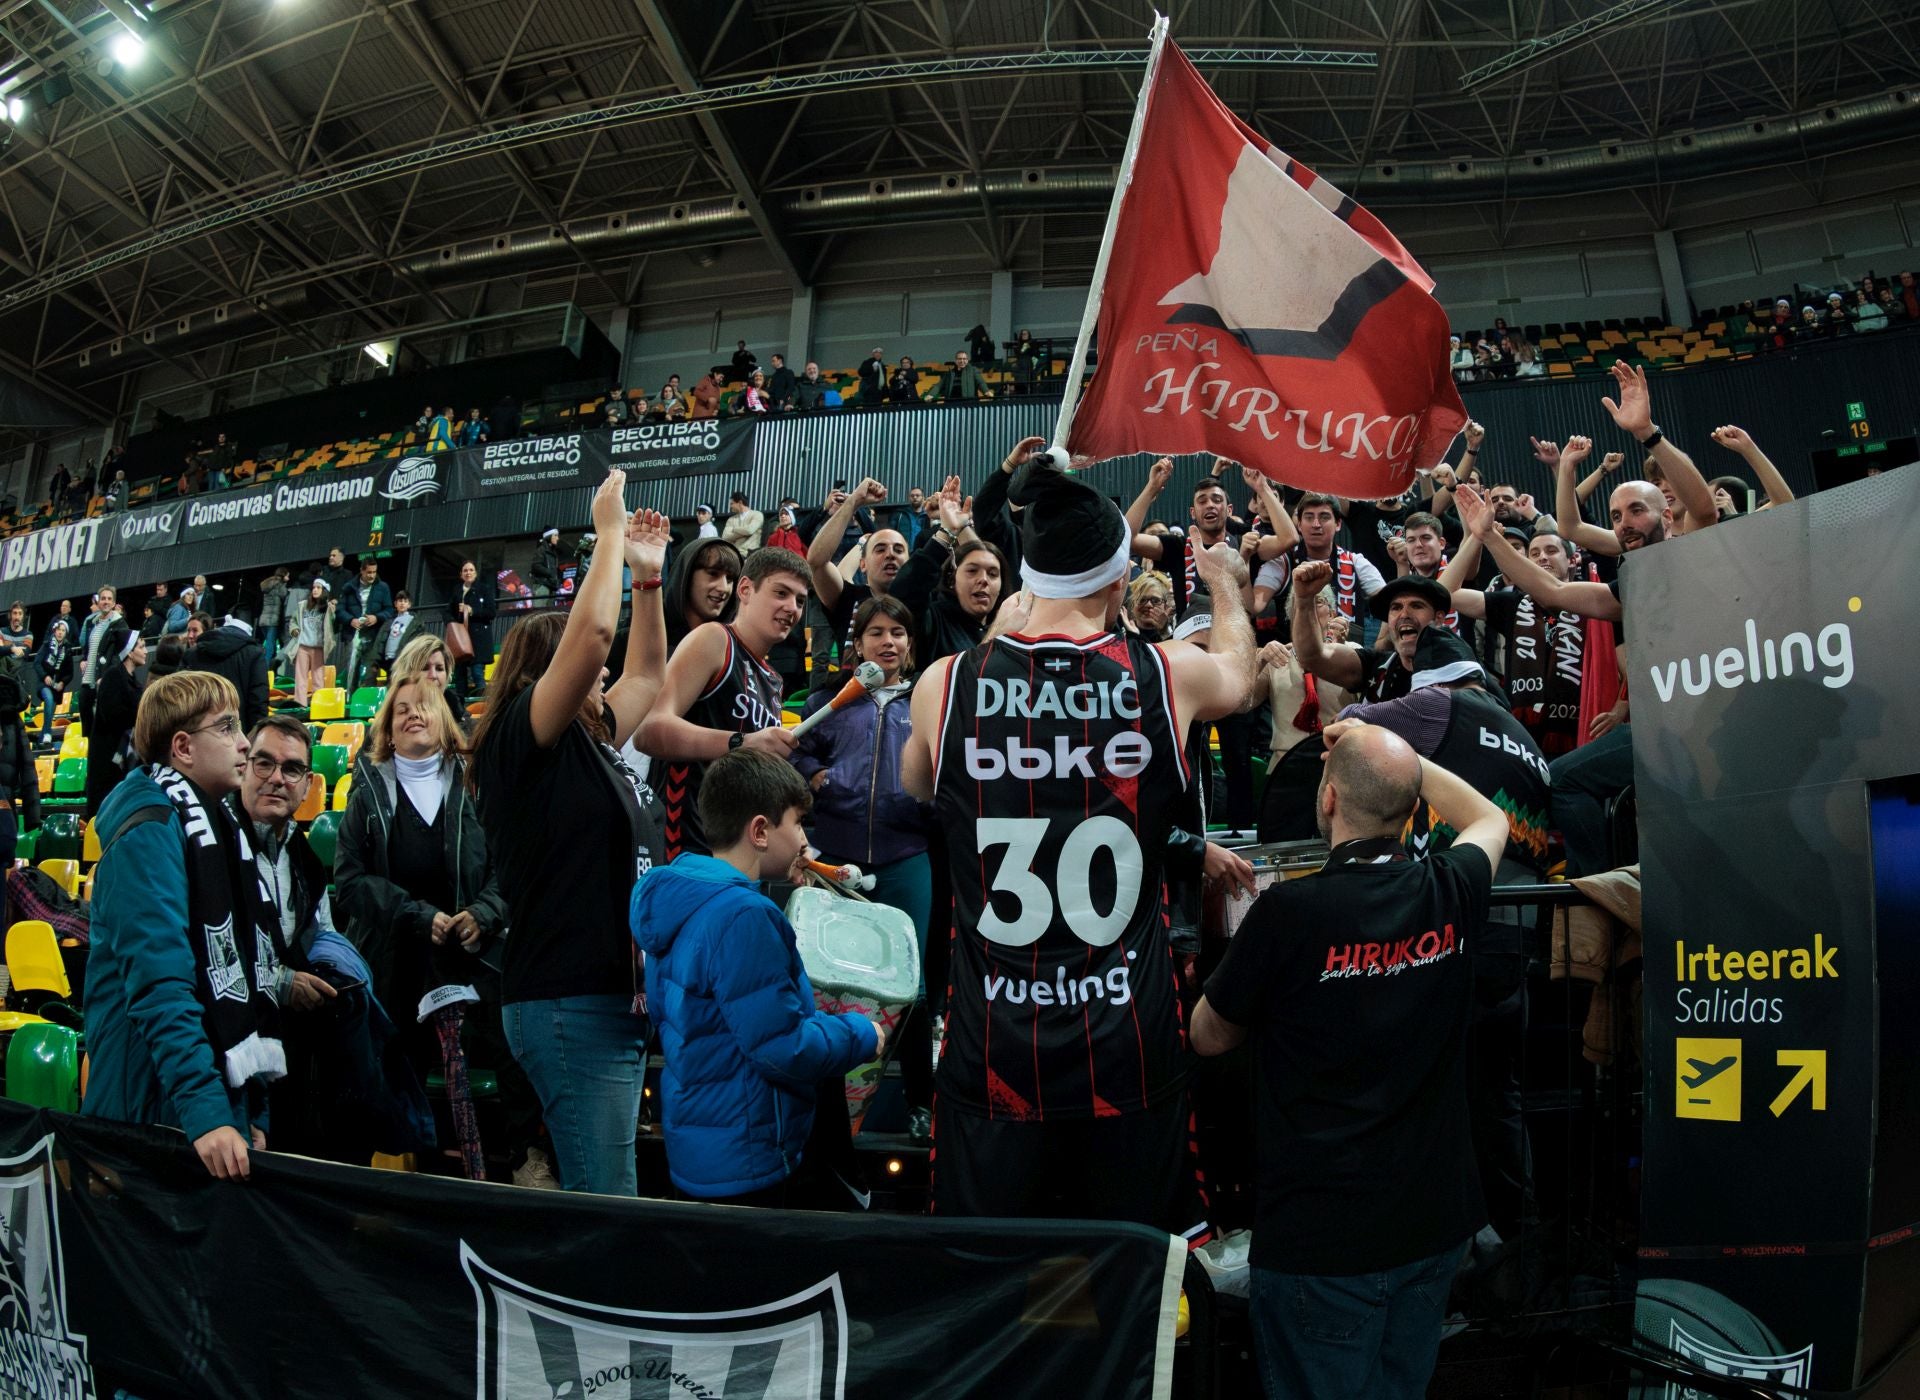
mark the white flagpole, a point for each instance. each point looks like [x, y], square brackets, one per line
[1070, 400]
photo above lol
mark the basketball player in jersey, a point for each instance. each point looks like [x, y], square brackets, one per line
[1054, 757]
[720, 694]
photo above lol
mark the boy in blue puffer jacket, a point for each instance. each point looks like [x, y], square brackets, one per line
[745, 1046]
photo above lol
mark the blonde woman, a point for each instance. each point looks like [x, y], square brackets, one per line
[428, 658]
[415, 892]
[1150, 604]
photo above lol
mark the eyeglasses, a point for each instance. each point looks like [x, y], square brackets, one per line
[226, 727]
[292, 769]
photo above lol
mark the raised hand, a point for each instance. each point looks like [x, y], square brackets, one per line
[869, 493]
[1310, 577]
[1576, 451]
[1732, 438]
[1612, 461]
[1546, 451]
[646, 542]
[1475, 513]
[1634, 412]
[610, 506]
[955, 514]
[1159, 474]
[1476, 433]
[1022, 450]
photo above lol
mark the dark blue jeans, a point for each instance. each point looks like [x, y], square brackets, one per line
[585, 1056]
[1354, 1337]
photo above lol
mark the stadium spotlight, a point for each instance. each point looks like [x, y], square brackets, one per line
[380, 352]
[128, 49]
[16, 109]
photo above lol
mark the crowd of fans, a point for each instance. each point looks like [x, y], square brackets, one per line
[631, 752]
[1855, 308]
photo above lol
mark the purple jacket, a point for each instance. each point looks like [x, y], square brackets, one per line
[861, 813]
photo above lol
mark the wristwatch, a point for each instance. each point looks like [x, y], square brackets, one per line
[1654, 440]
[735, 740]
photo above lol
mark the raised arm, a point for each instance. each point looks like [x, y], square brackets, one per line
[1634, 415]
[1145, 545]
[575, 669]
[827, 582]
[1284, 535]
[1568, 496]
[1587, 599]
[645, 666]
[1468, 602]
[1775, 485]
[1338, 664]
[1214, 683]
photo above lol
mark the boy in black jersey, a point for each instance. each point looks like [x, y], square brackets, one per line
[1054, 754]
[720, 694]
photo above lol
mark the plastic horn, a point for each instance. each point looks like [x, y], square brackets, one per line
[866, 680]
[849, 875]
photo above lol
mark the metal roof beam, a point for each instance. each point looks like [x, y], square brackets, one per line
[673, 57]
[1548, 45]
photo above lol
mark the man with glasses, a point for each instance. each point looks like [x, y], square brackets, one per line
[279, 766]
[182, 1023]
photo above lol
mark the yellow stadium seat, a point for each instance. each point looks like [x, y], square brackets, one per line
[329, 702]
[43, 770]
[86, 887]
[348, 734]
[327, 676]
[340, 791]
[33, 957]
[314, 802]
[1560, 370]
[90, 843]
[487, 674]
[73, 743]
[66, 874]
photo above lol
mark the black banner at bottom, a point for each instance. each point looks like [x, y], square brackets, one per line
[127, 1265]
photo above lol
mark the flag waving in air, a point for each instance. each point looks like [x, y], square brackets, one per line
[1250, 309]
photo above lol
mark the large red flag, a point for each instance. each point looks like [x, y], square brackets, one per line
[1251, 310]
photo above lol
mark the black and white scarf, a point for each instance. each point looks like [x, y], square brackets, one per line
[237, 963]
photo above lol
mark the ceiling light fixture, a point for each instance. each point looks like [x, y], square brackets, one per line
[128, 49]
[16, 109]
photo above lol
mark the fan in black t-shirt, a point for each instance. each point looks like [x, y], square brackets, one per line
[1356, 984]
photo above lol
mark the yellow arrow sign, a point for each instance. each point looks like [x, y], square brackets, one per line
[1810, 1068]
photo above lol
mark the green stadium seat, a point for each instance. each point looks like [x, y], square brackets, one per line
[43, 1067]
[330, 762]
[70, 775]
[366, 701]
[61, 836]
[324, 837]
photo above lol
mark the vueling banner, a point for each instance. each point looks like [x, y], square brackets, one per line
[1773, 680]
[128, 1266]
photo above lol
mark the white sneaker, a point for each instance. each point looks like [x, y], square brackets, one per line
[536, 1172]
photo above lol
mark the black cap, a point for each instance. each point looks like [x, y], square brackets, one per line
[1431, 589]
[1441, 658]
[1074, 541]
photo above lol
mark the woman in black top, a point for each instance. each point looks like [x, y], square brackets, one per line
[904, 384]
[571, 828]
[115, 703]
[417, 895]
[473, 602]
[953, 583]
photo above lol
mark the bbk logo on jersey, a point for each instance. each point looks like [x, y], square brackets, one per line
[40, 1355]
[536, 1345]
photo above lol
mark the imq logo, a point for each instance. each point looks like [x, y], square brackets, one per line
[412, 478]
[39, 1353]
[137, 529]
[536, 1345]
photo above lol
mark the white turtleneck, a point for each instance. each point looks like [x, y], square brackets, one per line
[420, 780]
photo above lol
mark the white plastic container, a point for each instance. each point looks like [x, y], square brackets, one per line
[863, 958]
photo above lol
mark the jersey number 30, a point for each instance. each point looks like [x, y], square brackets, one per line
[1022, 836]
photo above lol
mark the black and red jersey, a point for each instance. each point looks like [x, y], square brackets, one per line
[1058, 767]
[743, 697]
